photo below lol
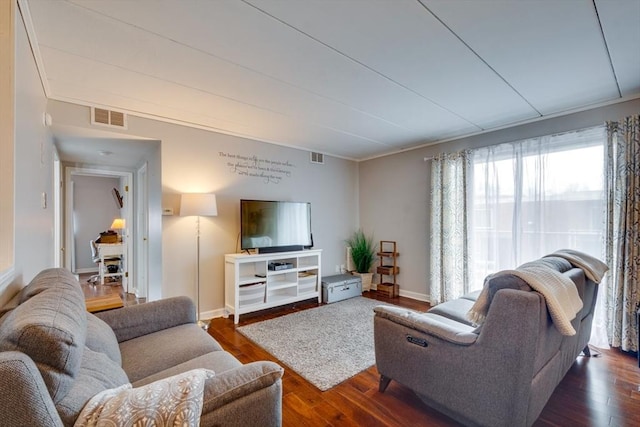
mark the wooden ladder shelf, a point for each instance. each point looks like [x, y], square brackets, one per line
[388, 269]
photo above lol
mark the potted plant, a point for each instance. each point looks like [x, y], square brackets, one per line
[363, 254]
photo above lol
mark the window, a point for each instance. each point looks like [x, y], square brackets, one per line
[533, 197]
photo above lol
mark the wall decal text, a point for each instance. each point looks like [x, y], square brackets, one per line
[269, 171]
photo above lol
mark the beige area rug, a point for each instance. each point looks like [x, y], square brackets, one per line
[325, 345]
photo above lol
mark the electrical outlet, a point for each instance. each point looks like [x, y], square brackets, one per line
[43, 200]
[337, 268]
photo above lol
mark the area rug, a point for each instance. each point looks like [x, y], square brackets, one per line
[325, 345]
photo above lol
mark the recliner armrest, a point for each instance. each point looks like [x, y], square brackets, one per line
[142, 319]
[232, 385]
[432, 324]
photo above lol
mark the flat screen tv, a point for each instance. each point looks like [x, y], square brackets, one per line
[275, 226]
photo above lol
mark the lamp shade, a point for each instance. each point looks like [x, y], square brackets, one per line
[117, 224]
[198, 204]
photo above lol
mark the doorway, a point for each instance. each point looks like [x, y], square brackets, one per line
[135, 162]
[94, 197]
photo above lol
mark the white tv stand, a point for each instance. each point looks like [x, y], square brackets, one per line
[251, 285]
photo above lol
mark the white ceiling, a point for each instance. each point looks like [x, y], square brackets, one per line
[101, 147]
[352, 78]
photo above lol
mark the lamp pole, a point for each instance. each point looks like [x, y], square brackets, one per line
[198, 204]
[203, 325]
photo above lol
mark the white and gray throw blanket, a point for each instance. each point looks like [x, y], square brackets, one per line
[558, 290]
[593, 268]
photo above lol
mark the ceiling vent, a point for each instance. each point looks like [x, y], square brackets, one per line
[102, 117]
[317, 158]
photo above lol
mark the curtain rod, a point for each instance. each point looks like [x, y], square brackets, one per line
[426, 159]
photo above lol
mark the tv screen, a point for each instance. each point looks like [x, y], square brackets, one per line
[273, 226]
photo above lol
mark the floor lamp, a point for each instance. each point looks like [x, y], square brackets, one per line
[198, 204]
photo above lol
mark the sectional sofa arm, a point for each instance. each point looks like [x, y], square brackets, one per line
[25, 399]
[430, 324]
[230, 386]
[142, 319]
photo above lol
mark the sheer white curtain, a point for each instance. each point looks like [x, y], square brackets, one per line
[497, 207]
[530, 198]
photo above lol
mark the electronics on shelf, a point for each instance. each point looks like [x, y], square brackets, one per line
[277, 266]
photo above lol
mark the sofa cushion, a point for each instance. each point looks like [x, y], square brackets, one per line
[455, 309]
[96, 374]
[49, 326]
[151, 353]
[100, 338]
[216, 361]
[472, 296]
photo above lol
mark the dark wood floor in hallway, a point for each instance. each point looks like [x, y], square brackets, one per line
[597, 391]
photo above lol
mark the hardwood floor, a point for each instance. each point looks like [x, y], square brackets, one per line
[108, 288]
[597, 391]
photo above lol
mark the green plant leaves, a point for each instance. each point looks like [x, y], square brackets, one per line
[363, 251]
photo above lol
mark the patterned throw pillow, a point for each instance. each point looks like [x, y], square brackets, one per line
[175, 400]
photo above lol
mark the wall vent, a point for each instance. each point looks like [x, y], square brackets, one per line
[102, 117]
[317, 158]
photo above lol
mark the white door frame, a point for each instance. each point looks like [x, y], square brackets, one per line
[126, 180]
[142, 232]
[58, 246]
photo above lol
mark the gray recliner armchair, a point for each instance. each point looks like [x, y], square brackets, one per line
[501, 373]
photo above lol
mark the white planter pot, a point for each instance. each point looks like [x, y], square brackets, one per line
[366, 279]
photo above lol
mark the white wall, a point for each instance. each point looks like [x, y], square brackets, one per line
[394, 190]
[93, 212]
[33, 170]
[192, 162]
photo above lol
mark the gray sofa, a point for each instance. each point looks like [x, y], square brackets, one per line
[501, 373]
[54, 356]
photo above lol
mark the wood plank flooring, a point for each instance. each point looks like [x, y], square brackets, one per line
[597, 391]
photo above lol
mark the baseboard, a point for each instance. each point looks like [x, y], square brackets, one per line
[221, 312]
[414, 295]
[7, 276]
[8, 288]
[212, 314]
